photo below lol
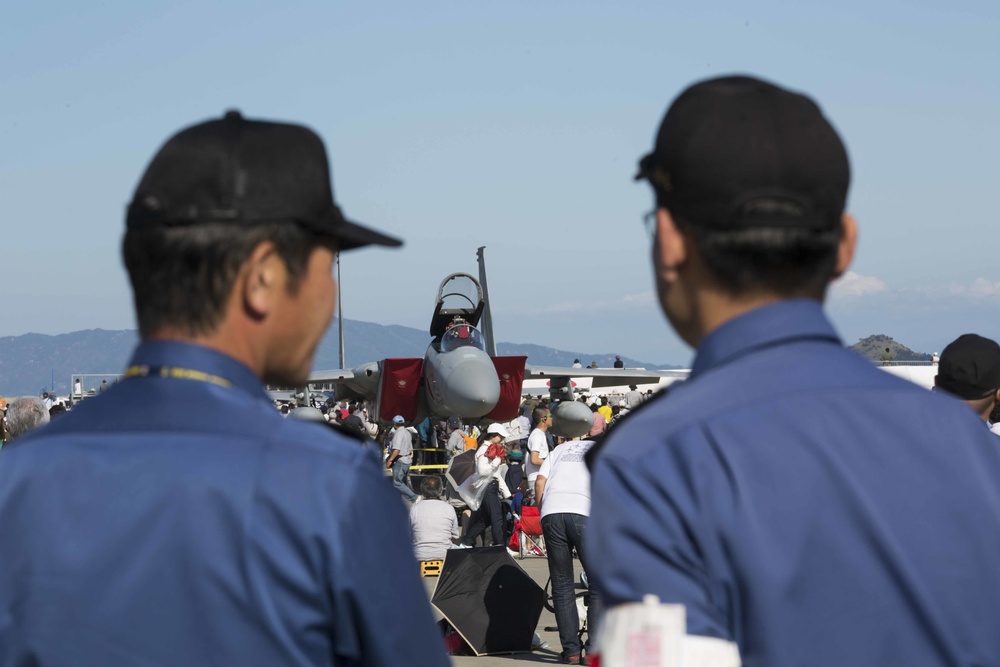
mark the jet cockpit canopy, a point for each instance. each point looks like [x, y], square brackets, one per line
[462, 334]
[459, 298]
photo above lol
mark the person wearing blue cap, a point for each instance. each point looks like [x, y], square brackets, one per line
[401, 457]
[803, 506]
[176, 518]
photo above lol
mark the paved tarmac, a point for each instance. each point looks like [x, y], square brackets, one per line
[538, 569]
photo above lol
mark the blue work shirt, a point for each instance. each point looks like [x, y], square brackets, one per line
[183, 522]
[805, 505]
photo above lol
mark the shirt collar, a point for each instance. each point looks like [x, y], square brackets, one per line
[198, 358]
[769, 325]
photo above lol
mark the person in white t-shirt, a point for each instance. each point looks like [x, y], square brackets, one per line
[538, 444]
[562, 488]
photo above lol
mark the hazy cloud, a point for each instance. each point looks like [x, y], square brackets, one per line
[979, 289]
[853, 284]
[642, 297]
[626, 302]
[568, 307]
[983, 287]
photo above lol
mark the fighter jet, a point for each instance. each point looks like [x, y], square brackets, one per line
[462, 375]
[456, 377]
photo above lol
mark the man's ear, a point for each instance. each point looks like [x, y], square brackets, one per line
[671, 246]
[847, 245]
[261, 281]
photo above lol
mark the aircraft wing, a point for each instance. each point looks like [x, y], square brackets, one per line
[282, 394]
[358, 382]
[606, 377]
[333, 377]
[336, 376]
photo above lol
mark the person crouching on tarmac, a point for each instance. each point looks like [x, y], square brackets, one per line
[489, 464]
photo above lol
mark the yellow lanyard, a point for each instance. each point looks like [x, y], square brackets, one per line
[176, 372]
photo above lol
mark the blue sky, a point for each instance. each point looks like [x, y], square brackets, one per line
[512, 125]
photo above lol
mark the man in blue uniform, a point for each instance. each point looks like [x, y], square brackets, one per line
[177, 518]
[805, 507]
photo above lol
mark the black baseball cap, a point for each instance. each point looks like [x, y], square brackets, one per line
[242, 171]
[737, 152]
[969, 367]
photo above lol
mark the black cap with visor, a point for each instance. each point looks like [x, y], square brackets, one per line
[240, 171]
[737, 152]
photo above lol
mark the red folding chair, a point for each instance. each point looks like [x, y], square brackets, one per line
[527, 538]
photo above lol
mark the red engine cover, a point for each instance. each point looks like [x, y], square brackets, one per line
[399, 388]
[510, 371]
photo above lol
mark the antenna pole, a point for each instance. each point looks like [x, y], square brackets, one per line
[340, 314]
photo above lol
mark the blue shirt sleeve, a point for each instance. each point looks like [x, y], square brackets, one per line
[644, 540]
[382, 612]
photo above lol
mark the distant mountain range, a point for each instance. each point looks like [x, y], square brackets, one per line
[32, 363]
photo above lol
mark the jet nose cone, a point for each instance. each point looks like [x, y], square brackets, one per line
[472, 388]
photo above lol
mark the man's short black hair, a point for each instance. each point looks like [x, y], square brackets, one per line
[540, 413]
[182, 276]
[431, 487]
[784, 261]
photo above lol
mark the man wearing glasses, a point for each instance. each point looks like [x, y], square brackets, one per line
[803, 506]
[538, 444]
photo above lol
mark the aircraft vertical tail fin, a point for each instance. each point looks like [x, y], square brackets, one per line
[486, 325]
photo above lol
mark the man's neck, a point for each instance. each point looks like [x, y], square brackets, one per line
[717, 308]
[231, 346]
